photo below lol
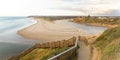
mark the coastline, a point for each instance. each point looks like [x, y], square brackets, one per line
[11, 42]
[9, 32]
[33, 22]
[48, 31]
[100, 25]
[97, 24]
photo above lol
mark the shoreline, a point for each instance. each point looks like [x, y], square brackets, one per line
[48, 31]
[11, 42]
[26, 40]
[97, 25]
[33, 22]
[11, 36]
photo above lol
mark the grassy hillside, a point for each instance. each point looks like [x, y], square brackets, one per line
[42, 54]
[99, 21]
[109, 44]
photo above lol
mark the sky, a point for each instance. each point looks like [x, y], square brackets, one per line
[59, 7]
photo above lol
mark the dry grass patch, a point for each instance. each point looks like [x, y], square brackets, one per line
[42, 54]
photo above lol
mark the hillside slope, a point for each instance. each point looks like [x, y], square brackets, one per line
[109, 22]
[109, 44]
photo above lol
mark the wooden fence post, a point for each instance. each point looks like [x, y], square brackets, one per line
[61, 44]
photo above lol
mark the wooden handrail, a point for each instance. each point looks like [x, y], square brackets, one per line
[74, 44]
[62, 53]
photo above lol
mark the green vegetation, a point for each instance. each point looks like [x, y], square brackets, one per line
[109, 44]
[75, 58]
[99, 21]
[42, 54]
[54, 17]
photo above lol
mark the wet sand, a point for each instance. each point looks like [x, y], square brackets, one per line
[49, 31]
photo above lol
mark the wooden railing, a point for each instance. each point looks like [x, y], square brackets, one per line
[49, 45]
[68, 54]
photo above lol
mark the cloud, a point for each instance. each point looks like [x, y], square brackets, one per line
[93, 7]
[58, 7]
[111, 13]
[102, 1]
[91, 1]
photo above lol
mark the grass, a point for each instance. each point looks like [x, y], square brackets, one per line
[42, 54]
[111, 51]
[75, 58]
[109, 44]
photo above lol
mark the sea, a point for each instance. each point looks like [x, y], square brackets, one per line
[10, 42]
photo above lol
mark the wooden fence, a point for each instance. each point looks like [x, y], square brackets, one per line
[50, 45]
[57, 44]
[67, 54]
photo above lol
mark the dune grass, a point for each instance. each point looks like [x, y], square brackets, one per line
[42, 54]
[109, 44]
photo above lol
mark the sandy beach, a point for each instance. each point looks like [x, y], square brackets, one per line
[49, 31]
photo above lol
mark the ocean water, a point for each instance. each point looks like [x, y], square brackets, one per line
[86, 28]
[10, 42]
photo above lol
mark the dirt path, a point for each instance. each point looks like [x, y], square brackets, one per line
[95, 54]
[83, 51]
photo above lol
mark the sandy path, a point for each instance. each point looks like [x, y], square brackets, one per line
[83, 51]
[96, 55]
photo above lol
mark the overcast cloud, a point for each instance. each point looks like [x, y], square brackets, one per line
[59, 7]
